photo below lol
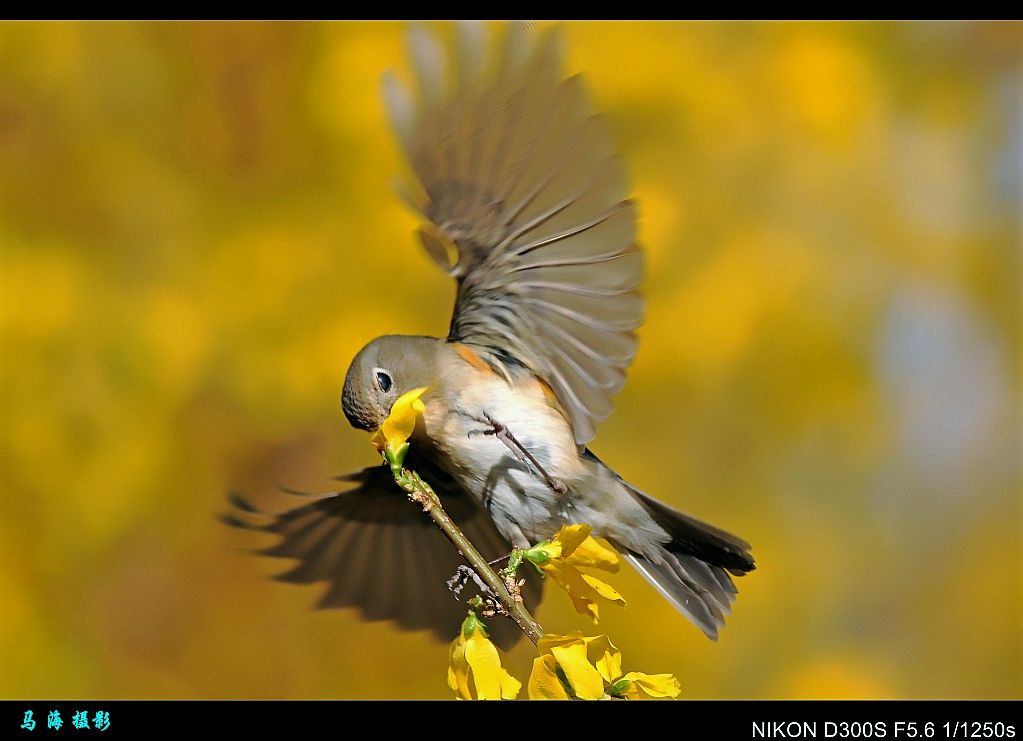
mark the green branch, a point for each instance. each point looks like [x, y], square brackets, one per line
[504, 589]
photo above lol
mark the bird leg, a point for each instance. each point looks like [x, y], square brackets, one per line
[519, 450]
[502, 561]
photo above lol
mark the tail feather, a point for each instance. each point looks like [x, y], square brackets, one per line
[691, 537]
[696, 566]
[701, 597]
[693, 569]
[698, 561]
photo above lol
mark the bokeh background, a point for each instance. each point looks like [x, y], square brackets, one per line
[197, 234]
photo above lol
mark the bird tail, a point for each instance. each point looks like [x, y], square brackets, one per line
[695, 568]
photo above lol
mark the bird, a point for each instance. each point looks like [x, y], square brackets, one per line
[524, 201]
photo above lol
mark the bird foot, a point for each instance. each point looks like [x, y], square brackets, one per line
[461, 578]
[490, 604]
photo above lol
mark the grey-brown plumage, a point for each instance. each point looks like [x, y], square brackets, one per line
[378, 553]
[522, 177]
[528, 211]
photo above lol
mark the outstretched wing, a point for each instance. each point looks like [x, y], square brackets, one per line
[527, 202]
[380, 553]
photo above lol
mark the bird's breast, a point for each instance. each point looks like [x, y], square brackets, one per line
[456, 423]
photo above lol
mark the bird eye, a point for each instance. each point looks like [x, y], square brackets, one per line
[383, 381]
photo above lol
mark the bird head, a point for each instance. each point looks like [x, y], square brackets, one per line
[381, 372]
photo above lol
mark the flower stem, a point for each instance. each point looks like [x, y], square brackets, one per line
[423, 494]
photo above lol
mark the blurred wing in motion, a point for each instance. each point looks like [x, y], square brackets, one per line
[380, 553]
[527, 200]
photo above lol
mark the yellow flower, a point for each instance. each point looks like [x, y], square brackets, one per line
[590, 668]
[635, 684]
[474, 665]
[573, 666]
[393, 435]
[547, 681]
[571, 549]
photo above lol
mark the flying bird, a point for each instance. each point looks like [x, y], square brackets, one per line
[525, 206]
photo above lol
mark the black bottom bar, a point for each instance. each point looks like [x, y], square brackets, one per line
[751, 719]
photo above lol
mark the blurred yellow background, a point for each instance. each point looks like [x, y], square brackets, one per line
[197, 233]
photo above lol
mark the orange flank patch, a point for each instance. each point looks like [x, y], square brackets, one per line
[470, 357]
[551, 397]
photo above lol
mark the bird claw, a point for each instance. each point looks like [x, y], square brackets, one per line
[491, 426]
[461, 578]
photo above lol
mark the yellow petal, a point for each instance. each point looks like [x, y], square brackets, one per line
[474, 665]
[550, 640]
[586, 681]
[584, 590]
[458, 669]
[571, 537]
[604, 589]
[606, 657]
[595, 553]
[401, 422]
[570, 579]
[378, 441]
[654, 685]
[586, 661]
[574, 545]
[485, 662]
[544, 683]
[510, 686]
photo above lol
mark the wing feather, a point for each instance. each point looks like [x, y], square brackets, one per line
[378, 552]
[527, 199]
